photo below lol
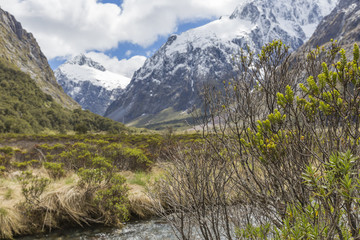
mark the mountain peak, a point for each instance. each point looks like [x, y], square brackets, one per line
[175, 74]
[246, 11]
[302, 12]
[83, 60]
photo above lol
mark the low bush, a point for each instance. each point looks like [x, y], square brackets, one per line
[55, 170]
[24, 165]
[106, 189]
[32, 187]
[126, 158]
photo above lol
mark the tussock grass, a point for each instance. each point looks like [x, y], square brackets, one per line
[67, 204]
[141, 207]
[11, 222]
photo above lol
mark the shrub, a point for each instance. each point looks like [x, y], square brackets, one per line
[32, 187]
[330, 210]
[81, 128]
[25, 164]
[9, 151]
[113, 200]
[55, 170]
[6, 153]
[107, 190]
[2, 170]
[127, 158]
[262, 130]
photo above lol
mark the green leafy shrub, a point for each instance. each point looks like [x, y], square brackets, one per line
[25, 164]
[6, 154]
[2, 170]
[127, 158]
[32, 187]
[7, 151]
[79, 155]
[81, 128]
[113, 200]
[108, 190]
[317, 197]
[331, 209]
[100, 172]
[55, 170]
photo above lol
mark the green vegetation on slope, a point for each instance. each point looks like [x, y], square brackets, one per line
[24, 108]
[167, 118]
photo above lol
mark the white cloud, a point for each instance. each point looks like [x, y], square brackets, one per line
[65, 27]
[128, 53]
[125, 67]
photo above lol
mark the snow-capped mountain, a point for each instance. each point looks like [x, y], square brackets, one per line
[343, 25]
[174, 76]
[90, 84]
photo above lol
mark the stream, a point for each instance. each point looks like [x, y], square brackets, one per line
[155, 229]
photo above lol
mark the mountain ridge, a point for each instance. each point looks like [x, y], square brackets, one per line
[174, 75]
[20, 48]
[342, 25]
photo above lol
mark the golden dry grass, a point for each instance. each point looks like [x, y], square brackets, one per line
[68, 203]
[11, 219]
[62, 199]
[11, 222]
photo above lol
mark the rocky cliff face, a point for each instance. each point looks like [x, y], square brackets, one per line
[343, 25]
[174, 76]
[90, 84]
[20, 48]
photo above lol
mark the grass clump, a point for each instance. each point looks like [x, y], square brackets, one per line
[8, 194]
[140, 178]
[10, 223]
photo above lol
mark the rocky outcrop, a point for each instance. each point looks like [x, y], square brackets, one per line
[18, 47]
[343, 25]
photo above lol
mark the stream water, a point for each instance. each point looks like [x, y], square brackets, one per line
[142, 230]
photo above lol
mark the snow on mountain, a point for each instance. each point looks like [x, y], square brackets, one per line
[90, 83]
[174, 76]
[105, 79]
[343, 25]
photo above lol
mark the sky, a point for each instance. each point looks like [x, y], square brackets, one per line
[111, 31]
